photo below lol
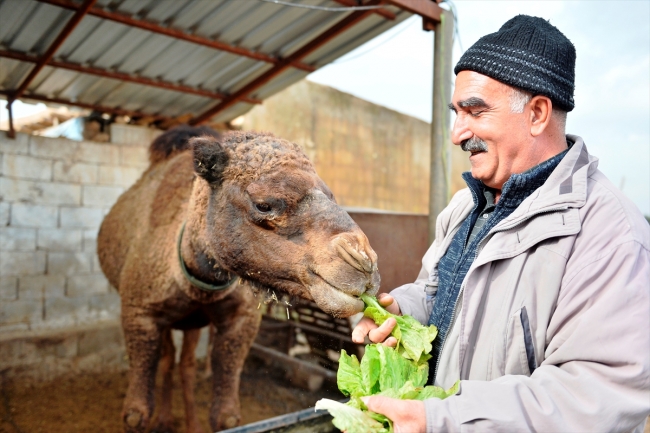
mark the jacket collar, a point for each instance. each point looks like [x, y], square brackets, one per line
[565, 188]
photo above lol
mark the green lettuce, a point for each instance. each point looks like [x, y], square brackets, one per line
[413, 339]
[399, 372]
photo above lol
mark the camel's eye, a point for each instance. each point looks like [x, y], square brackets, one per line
[263, 207]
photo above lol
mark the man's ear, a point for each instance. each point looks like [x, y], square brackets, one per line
[541, 108]
[210, 159]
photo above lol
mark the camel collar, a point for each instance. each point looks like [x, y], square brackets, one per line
[195, 281]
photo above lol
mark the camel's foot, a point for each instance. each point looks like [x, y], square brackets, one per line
[134, 421]
[226, 421]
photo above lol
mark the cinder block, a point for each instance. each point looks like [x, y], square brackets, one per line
[96, 266]
[54, 148]
[59, 239]
[61, 311]
[80, 285]
[78, 172]
[17, 239]
[9, 351]
[69, 263]
[68, 347]
[100, 195]
[5, 211]
[132, 134]
[98, 153]
[19, 263]
[118, 175]
[13, 327]
[81, 217]
[99, 340]
[39, 192]
[106, 303]
[90, 240]
[27, 311]
[135, 156]
[8, 288]
[26, 167]
[41, 286]
[18, 145]
[34, 215]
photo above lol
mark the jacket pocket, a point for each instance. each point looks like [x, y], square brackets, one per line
[431, 289]
[520, 351]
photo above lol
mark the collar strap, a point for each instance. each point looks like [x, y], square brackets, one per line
[195, 281]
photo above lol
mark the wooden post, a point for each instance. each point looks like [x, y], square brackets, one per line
[12, 132]
[440, 170]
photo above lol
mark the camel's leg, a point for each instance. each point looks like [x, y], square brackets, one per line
[212, 331]
[143, 341]
[188, 379]
[165, 422]
[236, 330]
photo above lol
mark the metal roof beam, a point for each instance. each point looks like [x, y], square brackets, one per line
[123, 76]
[100, 108]
[307, 49]
[426, 9]
[383, 12]
[80, 12]
[179, 34]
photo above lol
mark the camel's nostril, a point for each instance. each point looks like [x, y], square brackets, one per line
[354, 254]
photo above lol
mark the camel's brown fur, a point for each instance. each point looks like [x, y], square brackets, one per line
[253, 207]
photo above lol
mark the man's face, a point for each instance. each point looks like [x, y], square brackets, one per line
[498, 140]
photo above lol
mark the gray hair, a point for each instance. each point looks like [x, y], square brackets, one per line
[519, 98]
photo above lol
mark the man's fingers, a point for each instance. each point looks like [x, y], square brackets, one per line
[389, 303]
[378, 335]
[390, 342]
[362, 329]
[408, 416]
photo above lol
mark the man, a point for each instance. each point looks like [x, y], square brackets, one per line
[539, 277]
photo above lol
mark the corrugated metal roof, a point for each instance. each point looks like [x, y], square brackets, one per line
[29, 27]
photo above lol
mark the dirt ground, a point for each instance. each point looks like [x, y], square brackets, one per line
[92, 403]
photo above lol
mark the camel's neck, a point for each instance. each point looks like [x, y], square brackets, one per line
[195, 250]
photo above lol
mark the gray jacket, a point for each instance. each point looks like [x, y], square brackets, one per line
[560, 289]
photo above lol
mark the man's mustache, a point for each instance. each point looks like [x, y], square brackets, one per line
[474, 144]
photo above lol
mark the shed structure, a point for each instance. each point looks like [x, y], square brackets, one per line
[192, 60]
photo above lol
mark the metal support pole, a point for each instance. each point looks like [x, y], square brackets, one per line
[440, 169]
[12, 132]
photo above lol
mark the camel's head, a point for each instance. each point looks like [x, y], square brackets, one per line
[273, 221]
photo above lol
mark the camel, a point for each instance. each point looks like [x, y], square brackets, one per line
[215, 225]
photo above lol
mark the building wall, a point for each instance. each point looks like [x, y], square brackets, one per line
[370, 156]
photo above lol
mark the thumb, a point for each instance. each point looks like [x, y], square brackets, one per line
[380, 404]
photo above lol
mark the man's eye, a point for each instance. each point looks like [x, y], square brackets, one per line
[263, 207]
[475, 113]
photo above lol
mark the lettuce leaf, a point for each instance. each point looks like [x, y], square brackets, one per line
[351, 419]
[413, 339]
[399, 373]
[348, 376]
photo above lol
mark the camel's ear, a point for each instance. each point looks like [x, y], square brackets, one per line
[210, 158]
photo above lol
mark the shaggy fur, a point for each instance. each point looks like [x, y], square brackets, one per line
[253, 207]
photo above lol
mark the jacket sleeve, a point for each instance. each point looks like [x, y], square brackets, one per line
[416, 299]
[596, 371]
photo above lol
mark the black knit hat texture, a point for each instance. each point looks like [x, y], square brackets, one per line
[527, 53]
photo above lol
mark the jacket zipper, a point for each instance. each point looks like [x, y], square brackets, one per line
[462, 287]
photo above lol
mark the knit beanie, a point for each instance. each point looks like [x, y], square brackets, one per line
[527, 53]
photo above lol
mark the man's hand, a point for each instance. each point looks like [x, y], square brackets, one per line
[408, 416]
[378, 334]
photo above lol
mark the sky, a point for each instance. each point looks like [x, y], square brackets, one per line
[612, 96]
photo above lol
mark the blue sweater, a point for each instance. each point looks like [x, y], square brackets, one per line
[462, 252]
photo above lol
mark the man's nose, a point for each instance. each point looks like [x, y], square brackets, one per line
[460, 132]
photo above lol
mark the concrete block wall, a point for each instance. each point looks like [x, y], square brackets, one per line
[54, 194]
